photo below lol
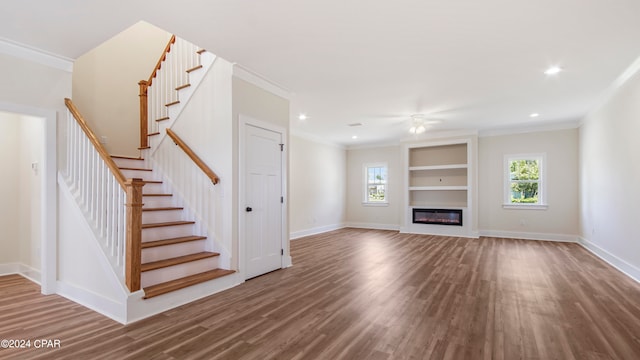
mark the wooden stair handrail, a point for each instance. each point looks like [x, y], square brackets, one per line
[178, 141]
[94, 140]
[167, 49]
[144, 85]
[133, 189]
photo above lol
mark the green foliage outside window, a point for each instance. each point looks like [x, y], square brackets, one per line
[524, 176]
[376, 183]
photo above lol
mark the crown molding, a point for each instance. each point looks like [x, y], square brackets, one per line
[260, 81]
[556, 126]
[26, 52]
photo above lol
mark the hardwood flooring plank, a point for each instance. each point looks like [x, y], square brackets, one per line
[367, 294]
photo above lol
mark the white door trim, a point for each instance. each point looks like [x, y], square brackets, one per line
[245, 120]
[48, 187]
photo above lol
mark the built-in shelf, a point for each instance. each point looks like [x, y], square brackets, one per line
[434, 205]
[437, 188]
[440, 174]
[438, 167]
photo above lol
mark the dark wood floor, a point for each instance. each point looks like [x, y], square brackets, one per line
[364, 294]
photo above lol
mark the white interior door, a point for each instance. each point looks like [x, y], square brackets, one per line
[263, 200]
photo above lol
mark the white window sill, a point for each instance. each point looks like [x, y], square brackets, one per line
[525, 206]
[375, 203]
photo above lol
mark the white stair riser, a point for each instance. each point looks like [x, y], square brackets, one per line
[157, 201]
[161, 216]
[166, 232]
[178, 271]
[131, 163]
[153, 188]
[162, 126]
[170, 251]
[138, 174]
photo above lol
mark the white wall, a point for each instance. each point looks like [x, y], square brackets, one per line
[318, 187]
[560, 220]
[609, 175]
[105, 84]
[21, 141]
[36, 84]
[32, 84]
[260, 104]
[31, 140]
[9, 184]
[383, 217]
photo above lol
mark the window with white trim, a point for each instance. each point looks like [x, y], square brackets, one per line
[524, 185]
[375, 184]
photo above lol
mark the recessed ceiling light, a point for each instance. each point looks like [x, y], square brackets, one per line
[534, 115]
[553, 70]
[354, 124]
[354, 137]
[302, 116]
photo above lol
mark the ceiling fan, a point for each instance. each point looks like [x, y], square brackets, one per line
[419, 123]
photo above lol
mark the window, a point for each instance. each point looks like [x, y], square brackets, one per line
[375, 184]
[524, 182]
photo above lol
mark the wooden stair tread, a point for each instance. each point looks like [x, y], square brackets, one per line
[168, 223]
[166, 208]
[152, 181]
[177, 260]
[130, 168]
[144, 147]
[201, 51]
[126, 157]
[182, 87]
[157, 194]
[153, 134]
[163, 119]
[184, 282]
[173, 103]
[178, 240]
[194, 68]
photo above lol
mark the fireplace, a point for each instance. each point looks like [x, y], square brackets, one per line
[437, 216]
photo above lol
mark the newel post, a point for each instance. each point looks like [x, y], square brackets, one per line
[133, 249]
[144, 131]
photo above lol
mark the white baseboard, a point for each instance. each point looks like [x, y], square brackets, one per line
[529, 235]
[96, 302]
[623, 266]
[313, 231]
[25, 271]
[373, 226]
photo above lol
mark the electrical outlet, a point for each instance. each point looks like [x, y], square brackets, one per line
[103, 139]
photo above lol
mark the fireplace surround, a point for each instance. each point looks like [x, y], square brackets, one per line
[437, 216]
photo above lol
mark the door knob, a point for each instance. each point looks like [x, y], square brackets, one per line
[249, 209]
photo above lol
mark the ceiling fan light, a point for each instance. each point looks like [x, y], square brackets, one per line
[420, 129]
[413, 129]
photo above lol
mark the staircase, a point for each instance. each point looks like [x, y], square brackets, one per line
[152, 241]
[173, 255]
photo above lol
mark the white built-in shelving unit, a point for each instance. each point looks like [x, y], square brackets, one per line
[441, 174]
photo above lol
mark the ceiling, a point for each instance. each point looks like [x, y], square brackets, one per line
[473, 64]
